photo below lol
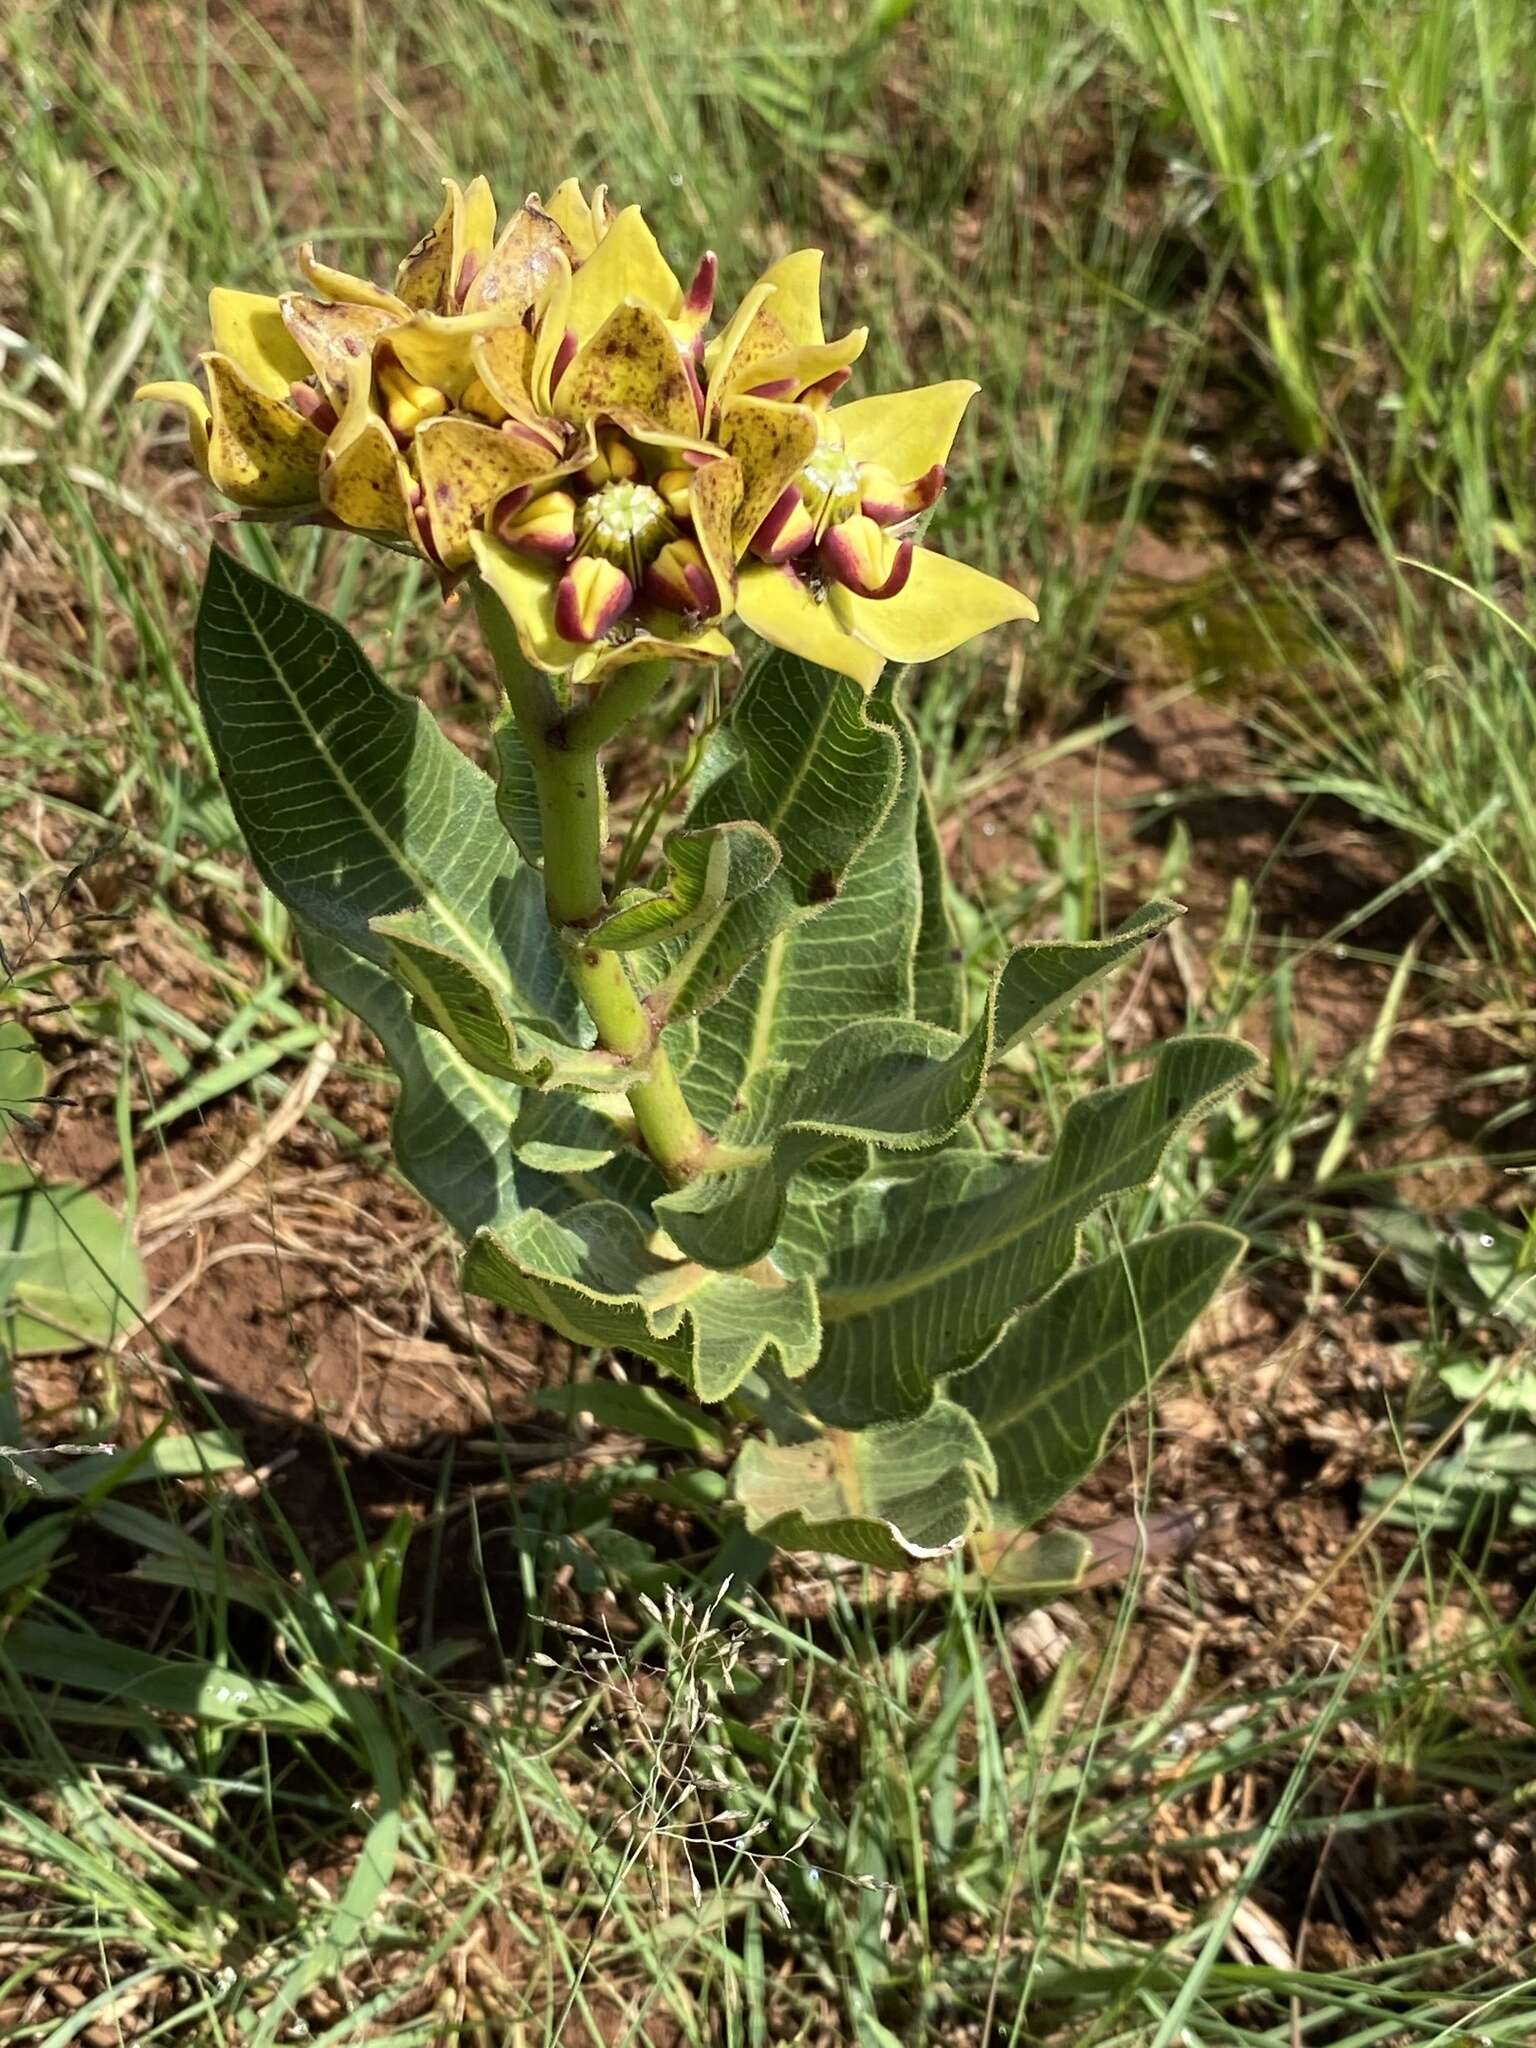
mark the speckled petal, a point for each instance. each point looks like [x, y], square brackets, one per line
[193, 405]
[771, 441]
[465, 469]
[714, 493]
[631, 361]
[347, 290]
[945, 603]
[248, 328]
[626, 264]
[422, 279]
[584, 222]
[776, 606]
[503, 361]
[261, 452]
[436, 349]
[521, 264]
[363, 478]
[332, 338]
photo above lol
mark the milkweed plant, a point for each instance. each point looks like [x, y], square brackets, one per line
[725, 1121]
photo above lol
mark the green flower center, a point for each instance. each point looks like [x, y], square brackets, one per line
[829, 485]
[626, 524]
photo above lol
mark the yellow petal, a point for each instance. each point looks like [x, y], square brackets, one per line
[551, 322]
[474, 231]
[527, 590]
[332, 338]
[261, 452]
[436, 348]
[771, 441]
[583, 222]
[363, 480]
[465, 469]
[521, 265]
[798, 367]
[248, 328]
[626, 264]
[721, 353]
[631, 361]
[192, 403]
[654, 641]
[796, 281]
[346, 289]
[713, 496]
[945, 603]
[776, 605]
[906, 432]
[422, 279]
[503, 361]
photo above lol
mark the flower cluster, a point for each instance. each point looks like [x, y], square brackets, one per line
[542, 407]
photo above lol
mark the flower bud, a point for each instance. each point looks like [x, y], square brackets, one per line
[863, 557]
[672, 488]
[888, 502]
[592, 597]
[680, 581]
[787, 529]
[614, 463]
[544, 525]
[407, 404]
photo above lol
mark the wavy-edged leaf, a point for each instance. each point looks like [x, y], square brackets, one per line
[884, 1496]
[591, 1274]
[886, 1082]
[453, 994]
[452, 1133]
[804, 757]
[1047, 1392]
[708, 868]
[69, 1275]
[916, 1271]
[355, 806]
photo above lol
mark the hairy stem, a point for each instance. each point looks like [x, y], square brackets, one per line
[569, 780]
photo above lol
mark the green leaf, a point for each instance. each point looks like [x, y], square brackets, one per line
[917, 1271]
[517, 791]
[638, 1410]
[451, 993]
[1011, 1565]
[127, 1677]
[883, 1496]
[22, 1073]
[591, 1274]
[708, 868]
[450, 1132]
[885, 1082]
[804, 757]
[355, 807]
[1047, 1392]
[69, 1275]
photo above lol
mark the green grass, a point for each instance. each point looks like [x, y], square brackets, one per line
[1184, 249]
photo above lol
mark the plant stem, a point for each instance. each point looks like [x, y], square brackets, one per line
[569, 780]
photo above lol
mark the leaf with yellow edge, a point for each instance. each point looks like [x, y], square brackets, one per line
[627, 264]
[466, 469]
[631, 361]
[261, 452]
[906, 432]
[910, 1491]
[772, 441]
[945, 603]
[776, 606]
[592, 1275]
[248, 328]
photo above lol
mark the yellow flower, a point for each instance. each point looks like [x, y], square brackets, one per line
[829, 493]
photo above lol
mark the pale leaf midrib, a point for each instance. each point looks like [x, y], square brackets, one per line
[495, 968]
